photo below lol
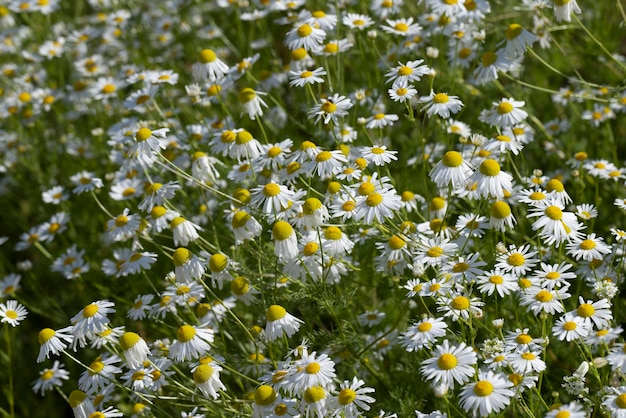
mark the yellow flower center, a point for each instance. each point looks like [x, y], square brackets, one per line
[240, 286]
[523, 339]
[304, 30]
[275, 312]
[328, 107]
[587, 244]
[333, 233]
[490, 167]
[373, 199]
[495, 279]
[246, 95]
[405, 70]
[181, 256]
[569, 326]
[586, 310]
[537, 196]
[553, 275]
[500, 210]
[554, 212]
[90, 310]
[45, 335]
[516, 260]
[434, 252]
[437, 203]
[108, 89]
[143, 134]
[271, 189]
[282, 230]
[513, 31]
[424, 327]
[543, 296]
[447, 361]
[489, 58]
[401, 27]
[346, 396]
[218, 262]
[207, 56]
[185, 333]
[202, 373]
[555, 185]
[441, 98]
[528, 356]
[483, 388]
[312, 368]
[504, 108]
[314, 394]
[395, 242]
[128, 340]
[310, 248]
[264, 395]
[460, 303]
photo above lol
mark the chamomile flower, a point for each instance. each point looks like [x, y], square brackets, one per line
[423, 333]
[357, 21]
[491, 181]
[187, 265]
[378, 206]
[305, 35]
[12, 312]
[405, 74]
[135, 349]
[50, 377]
[598, 313]
[85, 181]
[497, 281]
[490, 394]
[191, 343]
[303, 77]
[555, 275]
[501, 216]
[330, 109]
[245, 227]
[557, 225]
[570, 327]
[327, 163]
[285, 241]
[91, 320]
[53, 342]
[141, 306]
[449, 364]
[517, 39]
[313, 370]
[402, 27]
[209, 66]
[441, 104]
[280, 322]
[526, 362]
[615, 401]
[588, 249]
[252, 102]
[353, 398]
[517, 260]
[147, 145]
[537, 300]
[458, 306]
[207, 380]
[506, 112]
[490, 64]
[401, 94]
[452, 170]
[380, 120]
[100, 373]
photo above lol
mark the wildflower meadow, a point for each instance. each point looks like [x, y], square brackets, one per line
[300, 208]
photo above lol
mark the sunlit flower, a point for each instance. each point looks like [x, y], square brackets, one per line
[449, 364]
[490, 394]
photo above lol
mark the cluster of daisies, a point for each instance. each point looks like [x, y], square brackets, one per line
[237, 190]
